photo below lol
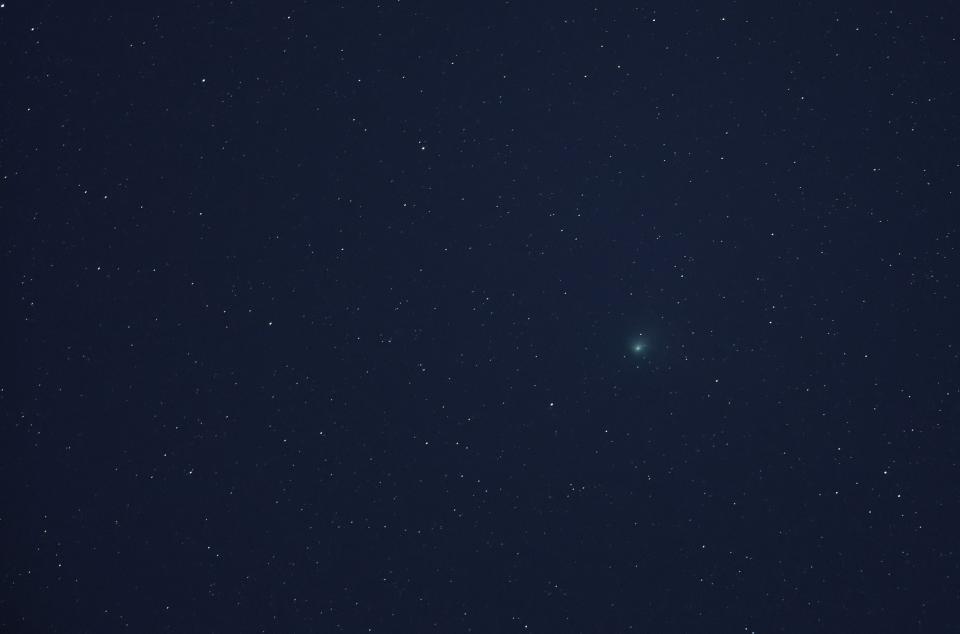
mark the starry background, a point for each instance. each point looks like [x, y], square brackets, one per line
[322, 317]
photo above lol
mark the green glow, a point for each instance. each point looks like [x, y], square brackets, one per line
[638, 346]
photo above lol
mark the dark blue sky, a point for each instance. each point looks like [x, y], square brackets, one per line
[322, 317]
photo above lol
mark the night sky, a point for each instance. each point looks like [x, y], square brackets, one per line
[489, 317]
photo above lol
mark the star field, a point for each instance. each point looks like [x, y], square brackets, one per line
[503, 317]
